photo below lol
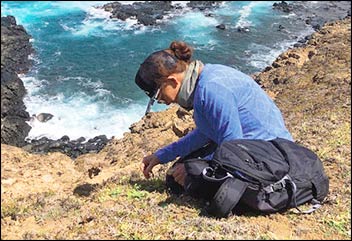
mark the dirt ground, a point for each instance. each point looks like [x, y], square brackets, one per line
[105, 196]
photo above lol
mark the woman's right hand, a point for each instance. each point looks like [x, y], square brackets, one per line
[149, 162]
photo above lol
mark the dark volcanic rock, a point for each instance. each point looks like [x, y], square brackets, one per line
[283, 6]
[203, 5]
[15, 49]
[15, 46]
[221, 26]
[14, 130]
[316, 13]
[72, 148]
[147, 13]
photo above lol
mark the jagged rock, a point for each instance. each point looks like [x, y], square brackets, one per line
[221, 26]
[181, 129]
[14, 130]
[73, 148]
[15, 48]
[147, 13]
[203, 5]
[283, 6]
[317, 16]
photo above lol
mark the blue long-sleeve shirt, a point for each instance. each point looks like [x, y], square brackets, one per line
[228, 105]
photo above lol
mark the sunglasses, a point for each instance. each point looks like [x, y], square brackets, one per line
[152, 100]
[148, 73]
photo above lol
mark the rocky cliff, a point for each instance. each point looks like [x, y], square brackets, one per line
[15, 49]
[105, 196]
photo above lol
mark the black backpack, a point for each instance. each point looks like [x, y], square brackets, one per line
[267, 176]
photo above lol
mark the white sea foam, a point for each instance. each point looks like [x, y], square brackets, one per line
[67, 28]
[33, 85]
[290, 15]
[131, 23]
[80, 115]
[103, 26]
[266, 55]
[31, 56]
[252, 8]
[180, 3]
[98, 13]
[99, 23]
[81, 5]
[88, 26]
[244, 13]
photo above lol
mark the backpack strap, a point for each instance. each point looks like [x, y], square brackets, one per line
[282, 184]
[227, 197]
[315, 205]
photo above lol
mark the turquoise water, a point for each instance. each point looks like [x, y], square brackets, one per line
[85, 63]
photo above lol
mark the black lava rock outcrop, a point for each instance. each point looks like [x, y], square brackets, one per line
[72, 148]
[316, 13]
[15, 49]
[147, 13]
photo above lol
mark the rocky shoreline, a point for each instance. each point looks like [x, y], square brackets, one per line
[72, 148]
[15, 49]
[153, 12]
[150, 12]
[316, 16]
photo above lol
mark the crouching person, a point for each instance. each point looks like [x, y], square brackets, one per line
[227, 104]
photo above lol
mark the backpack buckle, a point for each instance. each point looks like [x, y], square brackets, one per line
[279, 185]
[209, 175]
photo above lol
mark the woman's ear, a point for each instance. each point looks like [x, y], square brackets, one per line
[173, 81]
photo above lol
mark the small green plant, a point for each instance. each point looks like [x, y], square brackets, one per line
[13, 209]
[341, 225]
[115, 192]
[109, 193]
[136, 193]
[9, 209]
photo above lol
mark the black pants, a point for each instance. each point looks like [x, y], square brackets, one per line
[175, 188]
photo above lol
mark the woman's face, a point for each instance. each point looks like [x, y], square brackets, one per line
[169, 89]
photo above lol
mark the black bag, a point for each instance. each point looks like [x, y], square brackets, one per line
[268, 176]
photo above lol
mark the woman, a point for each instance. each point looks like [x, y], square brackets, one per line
[227, 104]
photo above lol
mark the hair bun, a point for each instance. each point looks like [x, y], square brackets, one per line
[182, 50]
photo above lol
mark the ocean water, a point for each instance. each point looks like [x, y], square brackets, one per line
[85, 62]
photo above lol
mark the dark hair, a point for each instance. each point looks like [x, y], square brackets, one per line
[161, 64]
